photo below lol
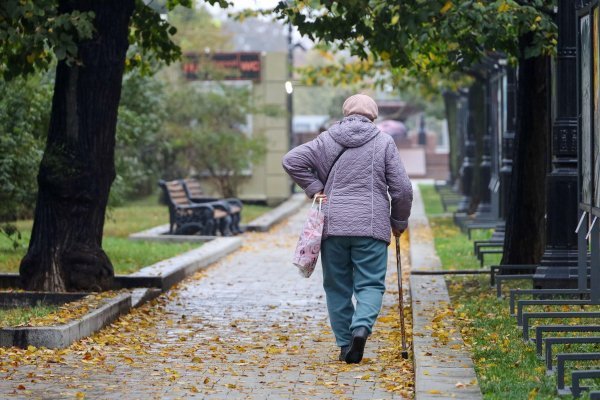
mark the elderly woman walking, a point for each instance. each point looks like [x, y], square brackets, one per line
[356, 170]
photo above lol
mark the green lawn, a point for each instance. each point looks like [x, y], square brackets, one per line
[127, 256]
[453, 247]
[506, 367]
[147, 213]
[17, 316]
[431, 200]
[253, 211]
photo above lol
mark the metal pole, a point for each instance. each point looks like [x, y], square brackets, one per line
[290, 75]
[422, 135]
[401, 299]
[561, 188]
[582, 281]
[508, 139]
[290, 94]
[484, 209]
[468, 157]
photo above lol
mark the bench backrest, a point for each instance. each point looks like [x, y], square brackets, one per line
[194, 190]
[175, 193]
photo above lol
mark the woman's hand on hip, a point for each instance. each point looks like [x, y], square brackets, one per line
[321, 197]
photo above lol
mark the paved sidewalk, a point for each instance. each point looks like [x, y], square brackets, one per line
[248, 327]
[443, 366]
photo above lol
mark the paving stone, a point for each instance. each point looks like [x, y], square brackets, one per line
[442, 370]
[256, 328]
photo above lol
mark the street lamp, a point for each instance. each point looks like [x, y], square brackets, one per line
[289, 89]
[422, 134]
[288, 85]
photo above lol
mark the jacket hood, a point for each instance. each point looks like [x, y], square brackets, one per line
[353, 131]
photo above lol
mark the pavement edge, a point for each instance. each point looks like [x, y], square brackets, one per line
[278, 214]
[441, 370]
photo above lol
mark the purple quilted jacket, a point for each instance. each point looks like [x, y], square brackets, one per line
[358, 185]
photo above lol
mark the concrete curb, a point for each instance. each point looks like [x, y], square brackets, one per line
[61, 336]
[169, 272]
[30, 299]
[142, 295]
[175, 269]
[159, 234]
[278, 214]
[441, 370]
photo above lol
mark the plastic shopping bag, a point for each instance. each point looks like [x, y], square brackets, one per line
[309, 243]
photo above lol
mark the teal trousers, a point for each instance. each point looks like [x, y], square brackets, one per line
[353, 266]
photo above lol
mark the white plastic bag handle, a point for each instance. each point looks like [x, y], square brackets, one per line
[320, 202]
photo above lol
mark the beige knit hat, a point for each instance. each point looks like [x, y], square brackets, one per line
[360, 104]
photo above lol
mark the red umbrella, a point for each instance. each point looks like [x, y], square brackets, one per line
[395, 129]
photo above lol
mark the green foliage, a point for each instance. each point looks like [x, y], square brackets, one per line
[35, 33]
[29, 30]
[336, 105]
[24, 116]
[253, 211]
[453, 247]
[197, 30]
[419, 42]
[425, 34]
[206, 126]
[225, 155]
[142, 112]
[126, 256]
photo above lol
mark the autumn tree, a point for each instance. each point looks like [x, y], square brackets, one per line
[209, 123]
[197, 30]
[89, 39]
[430, 42]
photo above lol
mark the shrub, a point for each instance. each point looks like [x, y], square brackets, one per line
[24, 117]
[138, 147]
[208, 129]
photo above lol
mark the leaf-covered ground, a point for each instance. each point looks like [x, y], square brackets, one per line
[126, 256]
[248, 327]
[45, 315]
[507, 368]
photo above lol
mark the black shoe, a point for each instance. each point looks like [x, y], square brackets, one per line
[357, 345]
[343, 351]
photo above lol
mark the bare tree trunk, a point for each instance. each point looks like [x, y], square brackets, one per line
[65, 251]
[525, 224]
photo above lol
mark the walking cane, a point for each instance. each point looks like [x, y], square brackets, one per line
[401, 299]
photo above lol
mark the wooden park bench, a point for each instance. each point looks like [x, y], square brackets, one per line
[188, 218]
[232, 205]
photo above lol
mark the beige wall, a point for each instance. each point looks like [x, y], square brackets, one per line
[267, 181]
